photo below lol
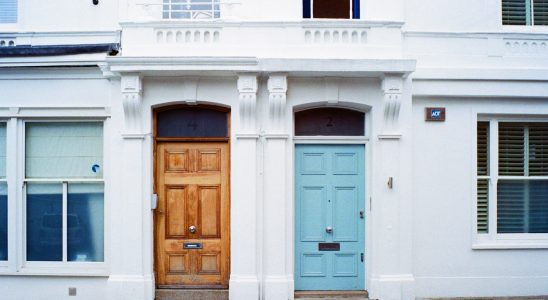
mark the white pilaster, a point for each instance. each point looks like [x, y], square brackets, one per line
[277, 279]
[392, 223]
[128, 279]
[244, 283]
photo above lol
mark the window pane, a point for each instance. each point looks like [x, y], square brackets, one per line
[541, 12]
[64, 150]
[2, 150]
[511, 149]
[192, 122]
[3, 221]
[483, 206]
[483, 148]
[85, 219]
[522, 206]
[514, 12]
[8, 11]
[44, 222]
[332, 9]
[538, 149]
[329, 121]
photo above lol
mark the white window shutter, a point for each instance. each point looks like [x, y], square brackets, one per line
[8, 11]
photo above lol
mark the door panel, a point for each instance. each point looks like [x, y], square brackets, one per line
[330, 231]
[192, 218]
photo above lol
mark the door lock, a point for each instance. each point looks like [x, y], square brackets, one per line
[192, 229]
[328, 229]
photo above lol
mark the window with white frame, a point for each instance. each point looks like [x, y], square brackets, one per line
[64, 192]
[525, 12]
[512, 178]
[8, 11]
[191, 9]
[331, 9]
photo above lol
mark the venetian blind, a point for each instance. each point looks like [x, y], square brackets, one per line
[8, 11]
[522, 203]
[483, 170]
[64, 150]
[540, 12]
[514, 12]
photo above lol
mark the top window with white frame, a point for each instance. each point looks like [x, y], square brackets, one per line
[512, 179]
[525, 12]
[191, 9]
[331, 9]
[8, 11]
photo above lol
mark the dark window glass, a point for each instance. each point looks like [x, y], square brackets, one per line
[331, 9]
[329, 121]
[192, 122]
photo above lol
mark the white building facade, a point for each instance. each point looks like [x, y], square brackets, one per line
[267, 147]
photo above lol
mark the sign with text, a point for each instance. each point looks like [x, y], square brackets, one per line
[435, 114]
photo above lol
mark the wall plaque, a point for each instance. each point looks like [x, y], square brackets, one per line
[435, 114]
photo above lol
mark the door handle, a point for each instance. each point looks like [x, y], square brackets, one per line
[328, 229]
[192, 229]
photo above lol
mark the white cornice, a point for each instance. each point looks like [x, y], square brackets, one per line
[279, 23]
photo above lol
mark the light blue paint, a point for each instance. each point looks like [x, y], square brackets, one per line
[329, 192]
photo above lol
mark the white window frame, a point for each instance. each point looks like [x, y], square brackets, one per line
[492, 239]
[16, 263]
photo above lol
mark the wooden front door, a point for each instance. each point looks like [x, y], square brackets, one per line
[192, 218]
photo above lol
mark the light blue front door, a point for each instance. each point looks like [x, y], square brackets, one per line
[329, 217]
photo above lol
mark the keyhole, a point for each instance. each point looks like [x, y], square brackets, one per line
[330, 122]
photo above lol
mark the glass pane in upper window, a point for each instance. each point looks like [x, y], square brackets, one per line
[538, 149]
[85, 220]
[540, 11]
[3, 221]
[483, 148]
[2, 150]
[8, 11]
[511, 149]
[514, 12]
[331, 9]
[64, 150]
[192, 122]
[44, 222]
[191, 9]
[329, 122]
[522, 206]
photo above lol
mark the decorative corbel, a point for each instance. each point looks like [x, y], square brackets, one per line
[392, 86]
[131, 100]
[277, 89]
[247, 87]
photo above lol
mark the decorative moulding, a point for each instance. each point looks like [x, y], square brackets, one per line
[392, 86]
[131, 100]
[277, 89]
[247, 87]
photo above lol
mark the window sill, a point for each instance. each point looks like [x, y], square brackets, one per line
[78, 271]
[509, 245]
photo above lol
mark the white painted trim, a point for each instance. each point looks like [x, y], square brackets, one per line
[306, 23]
[330, 140]
[81, 113]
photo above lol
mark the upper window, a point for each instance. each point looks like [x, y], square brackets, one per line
[8, 11]
[512, 166]
[192, 122]
[525, 12]
[331, 9]
[191, 9]
[64, 191]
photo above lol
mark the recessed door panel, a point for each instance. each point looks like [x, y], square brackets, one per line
[329, 217]
[192, 218]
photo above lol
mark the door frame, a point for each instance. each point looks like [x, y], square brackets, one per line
[337, 140]
[155, 141]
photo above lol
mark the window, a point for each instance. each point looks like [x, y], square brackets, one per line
[64, 205]
[512, 184]
[191, 9]
[331, 9]
[8, 11]
[329, 121]
[525, 12]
